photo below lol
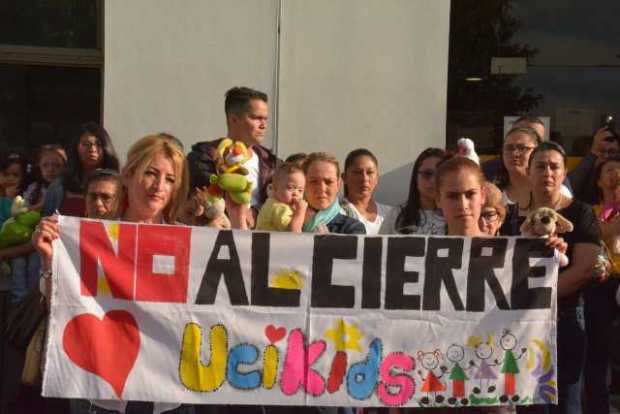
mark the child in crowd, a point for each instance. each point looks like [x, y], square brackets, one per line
[285, 209]
[51, 162]
[14, 172]
[9, 177]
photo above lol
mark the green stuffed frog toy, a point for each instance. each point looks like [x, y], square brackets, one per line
[18, 229]
[232, 177]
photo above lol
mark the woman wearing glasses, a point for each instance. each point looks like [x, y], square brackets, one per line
[419, 215]
[493, 210]
[513, 181]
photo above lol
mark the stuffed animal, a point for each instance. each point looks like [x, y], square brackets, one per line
[18, 229]
[232, 176]
[545, 222]
[466, 148]
[212, 206]
[603, 265]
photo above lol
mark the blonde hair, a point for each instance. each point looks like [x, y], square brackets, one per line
[321, 156]
[494, 199]
[141, 155]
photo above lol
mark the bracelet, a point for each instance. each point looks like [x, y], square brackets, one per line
[45, 274]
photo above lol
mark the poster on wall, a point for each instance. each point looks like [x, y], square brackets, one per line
[178, 314]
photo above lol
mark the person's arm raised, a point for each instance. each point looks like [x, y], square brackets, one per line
[239, 214]
[46, 232]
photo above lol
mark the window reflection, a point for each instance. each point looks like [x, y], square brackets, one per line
[573, 71]
[68, 24]
[42, 105]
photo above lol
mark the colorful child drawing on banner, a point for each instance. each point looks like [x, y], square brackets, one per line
[431, 383]
[485, 371]
[540, 364]
[456, 355]
[510, 368]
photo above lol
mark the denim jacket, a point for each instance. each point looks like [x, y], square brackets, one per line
[53, 197]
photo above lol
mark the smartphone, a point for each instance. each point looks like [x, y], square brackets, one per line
[609, 121]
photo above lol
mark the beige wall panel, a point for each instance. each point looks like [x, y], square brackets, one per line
[365, 73]
[169, 63]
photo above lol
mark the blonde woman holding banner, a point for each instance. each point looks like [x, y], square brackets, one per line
[155, 179]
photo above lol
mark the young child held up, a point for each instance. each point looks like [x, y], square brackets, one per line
[285, 209]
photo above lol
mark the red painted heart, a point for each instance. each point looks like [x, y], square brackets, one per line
[274, 334]
[106, 347]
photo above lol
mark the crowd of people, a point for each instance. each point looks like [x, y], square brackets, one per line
[447, 195]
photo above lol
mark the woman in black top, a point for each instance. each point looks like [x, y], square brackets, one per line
[546, 171]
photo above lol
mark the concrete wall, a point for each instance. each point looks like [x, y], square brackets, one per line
[169, 63]
[345, 74]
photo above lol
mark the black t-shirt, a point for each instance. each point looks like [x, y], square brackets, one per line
[585, 230]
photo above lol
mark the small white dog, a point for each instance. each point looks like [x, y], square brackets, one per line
[545, 222]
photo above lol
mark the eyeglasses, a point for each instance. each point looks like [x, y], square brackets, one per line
[518, 148]
[106, 198]
[427, 174]
[489, 216]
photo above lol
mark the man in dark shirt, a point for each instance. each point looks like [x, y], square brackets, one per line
[246, 120]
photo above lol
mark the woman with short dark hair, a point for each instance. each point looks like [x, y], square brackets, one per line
[360, 178]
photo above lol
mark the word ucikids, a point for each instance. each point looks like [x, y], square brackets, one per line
[393, 377]
[386, 375]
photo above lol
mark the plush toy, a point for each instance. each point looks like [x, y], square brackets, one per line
[212, 206]
[466, 148]
[603, 265]
[18, 229]
[232, 176]
[545, 222]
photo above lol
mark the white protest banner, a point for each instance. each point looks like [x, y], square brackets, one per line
[193, 315]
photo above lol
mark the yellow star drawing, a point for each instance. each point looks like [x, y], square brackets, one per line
[345, 336]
